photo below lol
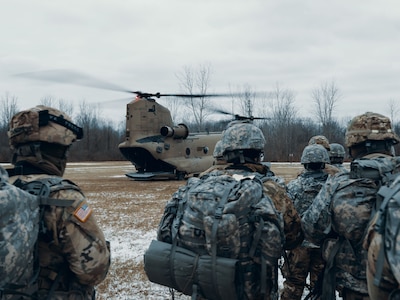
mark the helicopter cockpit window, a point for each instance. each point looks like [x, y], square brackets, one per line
[187, 151]
[205, 150]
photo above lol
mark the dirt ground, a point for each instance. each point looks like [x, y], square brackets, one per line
[129, 211]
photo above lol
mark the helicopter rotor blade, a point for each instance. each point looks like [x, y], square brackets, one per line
[77, 78]
[73, 77]
[237, 116]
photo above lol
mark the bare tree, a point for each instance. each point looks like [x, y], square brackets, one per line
[326, 97]
[196, 82]
[8, 108]
[394, 109]
[280, 126]
[246, 97]
[61, 104]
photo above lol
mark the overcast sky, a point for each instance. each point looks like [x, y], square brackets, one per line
[143, 44]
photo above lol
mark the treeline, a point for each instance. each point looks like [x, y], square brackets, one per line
[276, 114]
[285, 136]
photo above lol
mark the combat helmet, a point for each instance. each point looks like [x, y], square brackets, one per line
[244, 141]
[370, 127]
[314, 154]
[218, 150]
[321, 140]
[40, 137]
[337, 152]
[42, 124]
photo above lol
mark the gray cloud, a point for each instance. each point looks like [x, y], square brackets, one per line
[142, 44]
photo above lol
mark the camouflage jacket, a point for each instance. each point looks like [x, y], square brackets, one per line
[341, 225]
[274, 187]
[72, 247]
[304, 188]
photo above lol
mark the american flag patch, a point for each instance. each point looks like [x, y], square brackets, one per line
[83, 212]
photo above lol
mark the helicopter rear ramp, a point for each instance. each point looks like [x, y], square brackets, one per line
[146, 176]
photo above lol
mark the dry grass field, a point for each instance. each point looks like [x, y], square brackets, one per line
[128, 211]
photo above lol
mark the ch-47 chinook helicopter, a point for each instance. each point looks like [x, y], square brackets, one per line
[157, 148]
[153, 144]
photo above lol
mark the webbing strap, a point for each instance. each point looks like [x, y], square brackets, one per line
[217, 217]
[329, 281]
[257, 237]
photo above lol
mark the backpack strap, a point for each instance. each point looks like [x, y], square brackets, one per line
[42, 188]
[329, 278]
[387, 193]
[217, 217]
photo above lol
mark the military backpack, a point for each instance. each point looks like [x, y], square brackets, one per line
[209, 239]
[21, 209]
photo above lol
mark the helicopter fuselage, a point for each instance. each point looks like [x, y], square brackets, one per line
[160, 150]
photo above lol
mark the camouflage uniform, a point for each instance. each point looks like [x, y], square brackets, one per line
[239, 162]
[336, 156]
[340, 226]
[306, 258]
[322, 140]
[73, 253]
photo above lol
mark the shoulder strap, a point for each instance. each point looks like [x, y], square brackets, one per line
[42, 188]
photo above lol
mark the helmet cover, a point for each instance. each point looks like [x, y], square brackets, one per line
[43, 124]
[321, 140]
[369, 126]
[242, 136]
[337, 150]
[314, 154]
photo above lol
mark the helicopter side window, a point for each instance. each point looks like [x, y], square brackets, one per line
[205, 150]
[187, 151]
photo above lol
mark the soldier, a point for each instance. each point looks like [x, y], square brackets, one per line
[336, 156]
[273, 186]
[73, 254]
[306, 258]
[322, 140]
[243, 146]
[340, 213]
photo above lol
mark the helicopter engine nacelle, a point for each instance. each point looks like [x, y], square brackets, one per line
[177, 132]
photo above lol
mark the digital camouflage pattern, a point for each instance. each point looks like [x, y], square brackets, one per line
[34, 125]
[275, 188]
[307, 258]
[369, 126]
[315, 153]
[337, 151]
[305, 188]
[19, 226]
[242, 136]
[337, 155]
[73, 245]
[338, 219]
[241, 217]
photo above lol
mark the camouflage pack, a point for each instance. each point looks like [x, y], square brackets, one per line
[388, 226]
[19, 227]
[220, 218]
[355, 194]
[20, 210]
